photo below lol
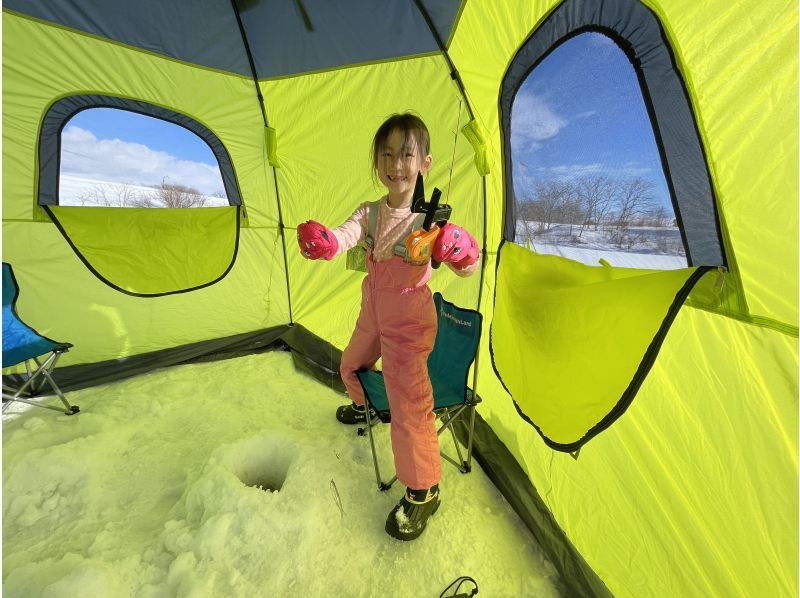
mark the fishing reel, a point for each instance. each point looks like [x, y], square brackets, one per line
[419, 244]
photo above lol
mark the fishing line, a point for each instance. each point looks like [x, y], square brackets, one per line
[455, 143]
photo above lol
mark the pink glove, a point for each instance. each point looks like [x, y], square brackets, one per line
[456, 246]
[316, 241]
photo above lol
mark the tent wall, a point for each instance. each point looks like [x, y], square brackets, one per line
[740, 64]
[693, 491]
[324, 152]
[44, 62]
[717, 416]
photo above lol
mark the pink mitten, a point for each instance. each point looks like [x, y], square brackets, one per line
[316, 241]
[457, 246]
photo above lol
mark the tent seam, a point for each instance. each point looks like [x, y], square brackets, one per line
[263, 107]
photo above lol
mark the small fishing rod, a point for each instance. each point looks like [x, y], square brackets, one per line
[419, 244]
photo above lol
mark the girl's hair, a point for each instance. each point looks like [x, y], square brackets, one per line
[408, 124]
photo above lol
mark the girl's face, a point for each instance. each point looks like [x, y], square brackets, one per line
[398, 166]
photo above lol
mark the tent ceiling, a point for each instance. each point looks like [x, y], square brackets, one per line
[286, 37]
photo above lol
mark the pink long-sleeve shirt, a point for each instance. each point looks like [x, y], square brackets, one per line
[392, 225]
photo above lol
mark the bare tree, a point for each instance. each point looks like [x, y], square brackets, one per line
[527, 217]
[659, 217]
[165, 195]
[170, 195]
[595, 194]
[550, 203]
[107, 195]
[633, 199]
[619, 206]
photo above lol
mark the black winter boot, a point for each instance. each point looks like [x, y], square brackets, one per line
[409, 518]
[352, 414]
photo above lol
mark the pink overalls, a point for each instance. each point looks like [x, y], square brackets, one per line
[398, 322]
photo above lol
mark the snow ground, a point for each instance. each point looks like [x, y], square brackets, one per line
[656, 248]
[618, 259]
[72, 187]
[152, 491]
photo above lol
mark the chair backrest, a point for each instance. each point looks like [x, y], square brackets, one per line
[453, 352]
[9, 286]
[20, 341]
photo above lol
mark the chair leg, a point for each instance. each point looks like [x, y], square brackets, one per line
[36, 387]
[462, 467]
[383, 486]
[448, 419]
[33, 382]
[469, 437]
[70, 409]
[372, 446]
[448, 424]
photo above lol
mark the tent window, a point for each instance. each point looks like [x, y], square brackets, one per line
[118, 158]
[588, 179]
[580, 50]
[105, 151]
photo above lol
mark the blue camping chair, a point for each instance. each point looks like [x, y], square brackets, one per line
[23, 343]
[455, 348]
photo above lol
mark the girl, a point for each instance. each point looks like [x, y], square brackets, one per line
[397, 319]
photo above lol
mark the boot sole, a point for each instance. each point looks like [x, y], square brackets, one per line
[354, 422]
[414, 535]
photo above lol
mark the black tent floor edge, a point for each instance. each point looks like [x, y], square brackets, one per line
[576, 577]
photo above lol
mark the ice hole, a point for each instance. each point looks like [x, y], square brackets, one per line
[267, 483]
[264, 463]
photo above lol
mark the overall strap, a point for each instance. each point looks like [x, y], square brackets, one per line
[400, 247]
[372, 223]
[372, 226]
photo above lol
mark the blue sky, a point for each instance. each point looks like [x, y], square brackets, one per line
[581, 111]
[159, 135]
[111, 146]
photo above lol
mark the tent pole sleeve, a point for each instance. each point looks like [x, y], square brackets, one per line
[453, 72]
[281, 226]
[457, 78]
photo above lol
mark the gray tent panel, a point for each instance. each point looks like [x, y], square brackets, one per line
[285, 38]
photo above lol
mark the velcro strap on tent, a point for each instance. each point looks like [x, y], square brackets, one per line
[271, 136]
[572, 343]
[472, 131]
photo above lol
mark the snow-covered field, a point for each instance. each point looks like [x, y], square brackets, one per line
[657, 248]
[155, 490]
[82, 191]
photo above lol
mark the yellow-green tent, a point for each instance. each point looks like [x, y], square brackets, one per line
[642, 423]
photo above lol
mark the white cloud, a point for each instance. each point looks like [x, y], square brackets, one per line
[635, 172]
[117, 161]
[533, 121]
[572, 171]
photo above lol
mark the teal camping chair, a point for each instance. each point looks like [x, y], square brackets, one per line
[456, 346]
[21, 343]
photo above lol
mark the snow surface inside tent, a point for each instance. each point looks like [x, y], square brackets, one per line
[226, 479]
